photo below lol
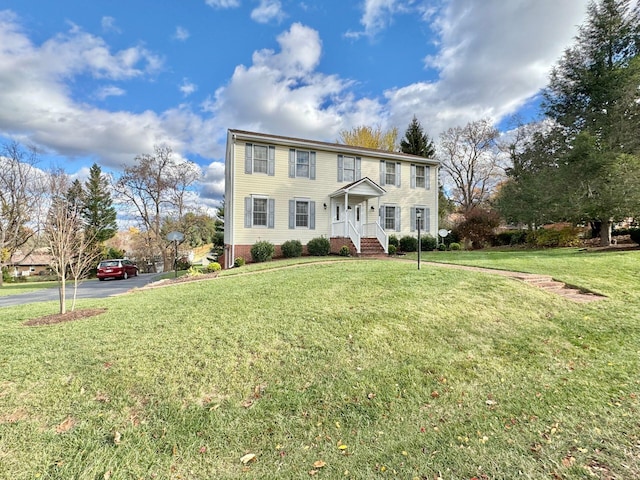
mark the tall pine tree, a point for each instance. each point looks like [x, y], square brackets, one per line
[98, 211]
[416, 142]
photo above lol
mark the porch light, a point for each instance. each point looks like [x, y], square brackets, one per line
[349, 207]
[373, 209]
[324, 205]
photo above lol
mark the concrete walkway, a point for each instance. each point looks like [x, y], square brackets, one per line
[545, 282]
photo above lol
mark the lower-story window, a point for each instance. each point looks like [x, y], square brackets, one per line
[390, 217]
[424, 218]
[259, 211]
[302, 213]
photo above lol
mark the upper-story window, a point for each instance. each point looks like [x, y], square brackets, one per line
[259, 159]
[349, 168]
[420, 176]
[302, 164]
[389, 173]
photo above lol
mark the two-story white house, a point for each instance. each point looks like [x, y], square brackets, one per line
[280, 188]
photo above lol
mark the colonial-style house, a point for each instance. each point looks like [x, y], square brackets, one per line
[280, 188]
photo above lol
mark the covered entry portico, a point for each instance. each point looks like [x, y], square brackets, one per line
[354, 213]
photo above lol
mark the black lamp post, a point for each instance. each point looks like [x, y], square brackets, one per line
[418, 215]
[175, 237]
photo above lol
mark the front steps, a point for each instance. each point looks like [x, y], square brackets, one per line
[370, 247]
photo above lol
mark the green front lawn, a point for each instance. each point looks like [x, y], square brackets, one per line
[354, 369]
[25, 287]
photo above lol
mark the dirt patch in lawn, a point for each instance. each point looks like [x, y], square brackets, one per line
[65, 317]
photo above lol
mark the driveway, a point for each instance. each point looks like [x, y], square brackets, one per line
[87, 289]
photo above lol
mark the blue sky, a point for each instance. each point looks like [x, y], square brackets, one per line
[103, 81]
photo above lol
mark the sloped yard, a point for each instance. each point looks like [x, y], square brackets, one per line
[356, 369]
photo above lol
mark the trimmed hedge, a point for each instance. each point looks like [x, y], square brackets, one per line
[262, 251]
[319, 247]
[291, 249]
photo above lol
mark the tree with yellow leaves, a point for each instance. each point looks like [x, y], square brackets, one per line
[370, 137]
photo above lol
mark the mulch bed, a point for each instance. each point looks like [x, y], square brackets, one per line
[65, 317]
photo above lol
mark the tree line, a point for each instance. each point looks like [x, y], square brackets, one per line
[73, 220]
[580, 163]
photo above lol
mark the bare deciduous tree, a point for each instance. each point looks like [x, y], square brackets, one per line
[470, 157]
[71, 245]
[21, 188]
[156, 187]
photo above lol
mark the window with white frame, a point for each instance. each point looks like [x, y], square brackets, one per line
[302, 213]
[349, 170]
[420, 214]
[390, 173]
[259, 212]
[260, 159]
[302, 163]
[420, 176]
[389, 217]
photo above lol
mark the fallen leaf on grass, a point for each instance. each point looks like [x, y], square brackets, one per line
[568, 461]
[249, 457]
[117, 437]
[66, 425]
[312, 472]
[318, 464]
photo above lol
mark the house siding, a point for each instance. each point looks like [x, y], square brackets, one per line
[282, 188]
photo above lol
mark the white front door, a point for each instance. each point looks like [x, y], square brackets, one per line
[355, 217]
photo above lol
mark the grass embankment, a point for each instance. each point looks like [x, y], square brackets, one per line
[367, 369]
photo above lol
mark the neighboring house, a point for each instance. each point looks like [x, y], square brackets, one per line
[36, 263]
[280, 188]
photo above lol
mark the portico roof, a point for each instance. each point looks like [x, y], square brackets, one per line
[364, 188]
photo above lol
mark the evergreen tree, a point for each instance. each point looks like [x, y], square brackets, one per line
[593, 95]
[416, 142]
[98, 211]
[76, 195]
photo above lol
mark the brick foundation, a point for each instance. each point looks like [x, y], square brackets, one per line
[338, 242]
[244, 251]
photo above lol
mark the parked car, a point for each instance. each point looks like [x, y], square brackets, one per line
[117, 268]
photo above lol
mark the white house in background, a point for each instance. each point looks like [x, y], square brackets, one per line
[280, 188]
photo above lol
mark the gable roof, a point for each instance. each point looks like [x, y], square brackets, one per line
[334, 147]
[373, 188]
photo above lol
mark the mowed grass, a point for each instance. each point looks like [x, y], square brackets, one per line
[354, 369]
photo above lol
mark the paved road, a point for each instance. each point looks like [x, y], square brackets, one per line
[87, 289]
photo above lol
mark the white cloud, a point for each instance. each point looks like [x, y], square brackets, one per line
[493, 57]
[212, 185]
[109, 25]
[282, 93]
[187, 88]
[223, 3]
[267, 11]
[36, 98]
[109, 91]
[378, 14]
[181, 34]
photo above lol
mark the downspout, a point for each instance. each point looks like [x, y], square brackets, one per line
[231, 261]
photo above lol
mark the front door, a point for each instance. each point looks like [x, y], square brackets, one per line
[355, 217]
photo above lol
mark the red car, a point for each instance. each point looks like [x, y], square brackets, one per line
[117, 268]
